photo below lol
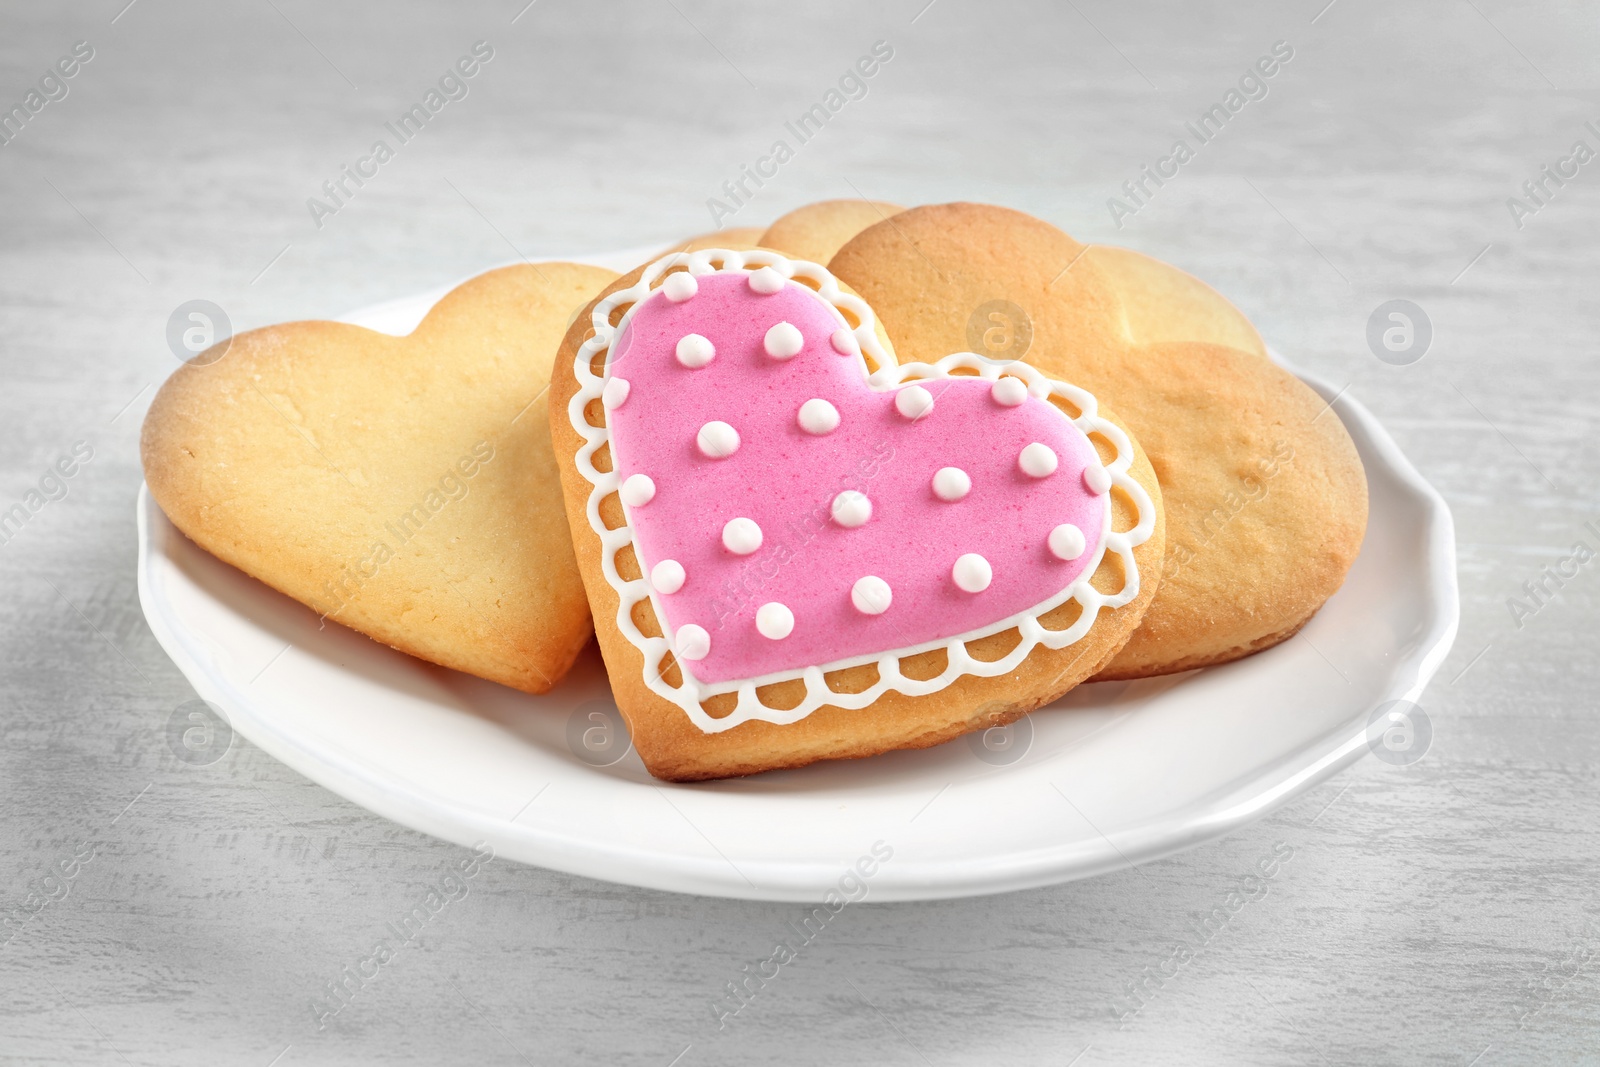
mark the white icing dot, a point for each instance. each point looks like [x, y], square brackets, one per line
[851, 509]
[691, 642]
[1038, 461]
[871, 595]
[783, 341]
[844, 342]
[951, 483]
[695, 351]
[913, 401]
[774, 621]
[972, 573]
[766, 281]
[680, 286]
[818, 416]
[1067, 542]
[1097, 478]
[717, 440]
[1009, 391]
[741, 536]
[667, 577]
[638, 490]
[615, 394]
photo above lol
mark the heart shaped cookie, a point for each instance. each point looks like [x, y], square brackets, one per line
[731, 237]
[402, 486]
[1158, 302]
[817, 231]
[1264, 493]
[1164, 305]
[796, 549]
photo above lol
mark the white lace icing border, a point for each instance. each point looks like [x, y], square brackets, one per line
[689, 694]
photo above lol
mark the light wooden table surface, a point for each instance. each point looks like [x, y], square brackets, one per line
[1441, 913]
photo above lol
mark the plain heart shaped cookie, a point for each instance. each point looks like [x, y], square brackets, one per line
[1265, 496]
[732, 237]
[817, 231]
[1164, 305]
[796, 549]
[402, 486]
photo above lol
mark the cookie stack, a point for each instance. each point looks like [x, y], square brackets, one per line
[867, 480]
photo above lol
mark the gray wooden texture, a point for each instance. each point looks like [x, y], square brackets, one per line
[1438, 913]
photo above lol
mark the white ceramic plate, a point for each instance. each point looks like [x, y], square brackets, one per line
[1113, 774]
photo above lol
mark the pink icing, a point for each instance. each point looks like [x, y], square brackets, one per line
[785, 480]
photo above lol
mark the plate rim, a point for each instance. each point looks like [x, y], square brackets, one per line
[418, 808]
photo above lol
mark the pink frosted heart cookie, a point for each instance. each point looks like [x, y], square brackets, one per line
[796, 549]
